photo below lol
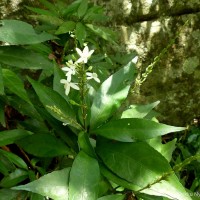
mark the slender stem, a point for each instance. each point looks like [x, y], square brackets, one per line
[83, 92]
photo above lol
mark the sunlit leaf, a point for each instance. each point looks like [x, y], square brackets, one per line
[43, 145]
[23, 58]
[139, 111]
[111, 94]
[84, 178]
[10, 136]
[53, 185]
[16, 32]
[140, 164]
[132, 129]
[165, 149]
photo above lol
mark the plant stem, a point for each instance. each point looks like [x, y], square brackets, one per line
[83, 92]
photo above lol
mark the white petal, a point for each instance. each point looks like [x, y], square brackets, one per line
[79, 51]
[73, 85]
[80, 60]
[63, 81]
[67, 89]
[97, 79]
[86, 50]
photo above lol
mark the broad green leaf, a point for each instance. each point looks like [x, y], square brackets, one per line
[6, 163]
[2, 114]
[139, 111]
[2, 83]
[14, 178]
[16, 32]
[80, 33]
[103, 32]
[43, 145]
[84, 178]
[10, 136]
[23, 58]
[132, 129]
[82, 8]
[14, 84]
[85, 144]
[111, 94]
[66, 27]
[9, 194]
[112, 197]
[165, 149]
[14, 159]
[53, 185]
[141, 165]
[55, 104]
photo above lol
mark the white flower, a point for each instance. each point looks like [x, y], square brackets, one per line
[135, 59]
[92, 76]
[68, 85]
[71, 69]
[84, 55]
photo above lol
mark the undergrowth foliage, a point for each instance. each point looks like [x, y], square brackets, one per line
[67, 139]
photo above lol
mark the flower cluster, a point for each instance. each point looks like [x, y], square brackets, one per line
[71, 69]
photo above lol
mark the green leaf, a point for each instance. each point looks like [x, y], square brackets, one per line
[14, 84]
[84, 178]
[165, 149]
[58, 75]
[23, 58]
[49, 5]
[14, 178]
[49, 22]
[14, 159]
[111, 94]
[80, 33]
[17, 32]
[82, 8]
[55, 104]
[9, 194]
[112, 197]
[40, 11]
[132, 129]
[9, 137]
[53, 185]
[2, 83]
[2, 114]
[85, 144]
[66, 27]
[43, 145]
[141, 165]
[139, 111]
[24, 107]
[103, 32]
